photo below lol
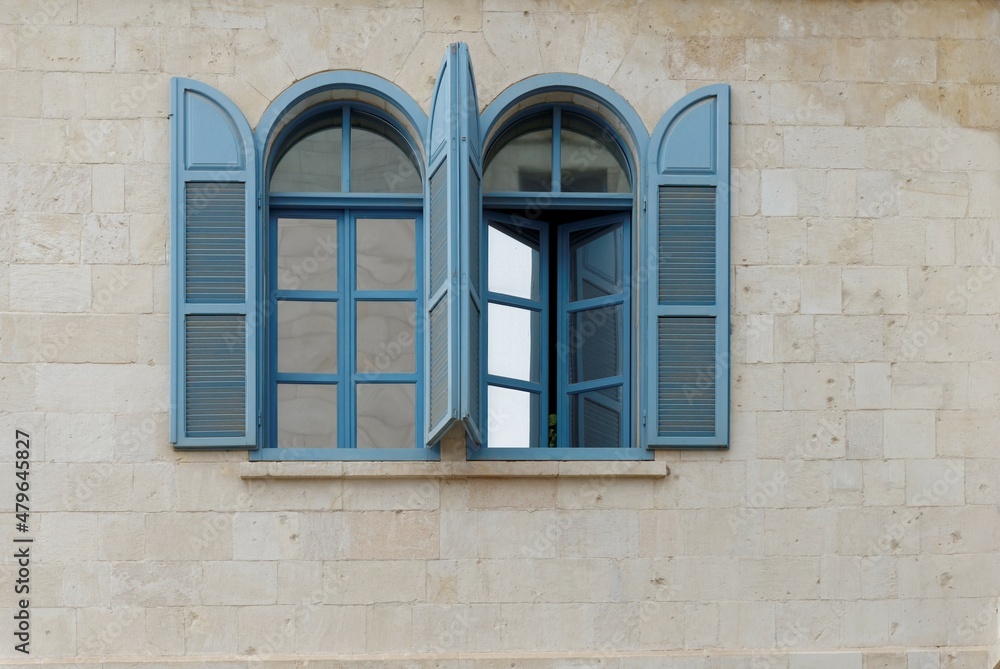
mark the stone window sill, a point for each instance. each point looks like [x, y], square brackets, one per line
[445, 470]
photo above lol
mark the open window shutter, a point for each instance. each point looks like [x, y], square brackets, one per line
[686, 340]
[213, 271]
[453, 204]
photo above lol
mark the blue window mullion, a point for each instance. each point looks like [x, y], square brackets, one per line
[345, 157]
[595, 302]
[556, 150]
[346, 421]
[307, 295]
[308, 378]
[515, 384]
[511, 301]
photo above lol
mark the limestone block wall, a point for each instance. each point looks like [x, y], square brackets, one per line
[854, 522]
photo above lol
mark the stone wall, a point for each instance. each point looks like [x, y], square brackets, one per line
[854, 523]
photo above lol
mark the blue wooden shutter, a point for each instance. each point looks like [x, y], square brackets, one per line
[213, 180]
[686, 341]
[454, 307]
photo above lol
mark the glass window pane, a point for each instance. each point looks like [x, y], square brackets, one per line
[307, 254]
[314, 161]
[307, 337]
[596, 418]
[387, 415]
[595, 263]
[387, 254]
[514, 342]
[307, 416]
[592, 160]
[522, 157]
[381, 161]
[514, 261]
[513, 418]
[595, 340]
[386, 337]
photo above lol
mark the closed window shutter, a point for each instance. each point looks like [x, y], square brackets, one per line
[213, 275]
[686, 337]
[453, 305]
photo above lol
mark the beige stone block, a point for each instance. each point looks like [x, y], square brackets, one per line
[239, 583]
[265, 536]
[104, 141]
[934, 196]
[982, 481]
[45, 238]
[607, 38]
[148, 239]
[63, 95]
[969, 529]
[786, 241]
[914, 623]
[935, 482]
[779, 193]
[18, 385]
[852, 60]
[972, 61]
[389, 628]
[796, 532]
[189, 536]
[873, 386]
[788, 59]
[79, 437]
[72, 48]
[164, 631]
[213, 630]
[767, 290]
[137, 50]
[153, 487]
[939, 290]
[150, 584]
[779, 578]
[312, 624]
[899, 242]
[804, 104]
[265, 631]
[864, 435]
[743, 624]
[977, 242]
[909, 434]
[962, 339]
[154, 340]
[86, 584]
[99, 487]
[120, 536]
[106, 631]
[67, 288]
[840, 241]
[707, 532]
[108, 189]
[74, 535]
[967, 434]
[300, 37]
[875, 290]
[756, 387]
[197, 50]
[123, 288]
[512, 34]
[370, 494]
[933, 385]
[210, 485]
[971, 621]
[498, 581]
[300, 582]
[105, 238]
[793, 339]
[139, 13]
[67, 388]
[388, 535]
[821, 386]
[560, 38]
[443, 16]
[878, 532]
[984, 386]
[702, 58]
[524, 626]
[146, 188]
[759, 338]
[800, 435]
[940, 149]
[840, 577]
[259, 63]
[824, 147]
[904, 60]
[50, 188]
[28, 140]
[303, 495]
[605, 533]
[878, 194]
[600, 493]
[661, 533]
[849, 338]
[517, 533]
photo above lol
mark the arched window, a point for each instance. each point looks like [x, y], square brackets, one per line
[344, 275]
[558, 203]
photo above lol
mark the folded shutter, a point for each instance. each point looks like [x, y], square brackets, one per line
[213, 271]
[686, 338]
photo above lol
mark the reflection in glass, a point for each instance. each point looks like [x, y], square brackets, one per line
[521, 159]
[381, 161]
[595, 337]
[307, 416]
[314, 161]
[307, 254]
[386, 337]
[591, 159]
[595, 262]
[596, 418]
[514, 261]
[513, 418]
[386, 250]
[514, 341]
[387, 415]
[307, 337]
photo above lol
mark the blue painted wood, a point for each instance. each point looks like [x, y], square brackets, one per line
[346, 454]
[573, 83]
[213, 265]
[685, 349]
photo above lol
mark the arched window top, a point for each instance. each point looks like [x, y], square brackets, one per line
[345, 149]
[557, 149]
